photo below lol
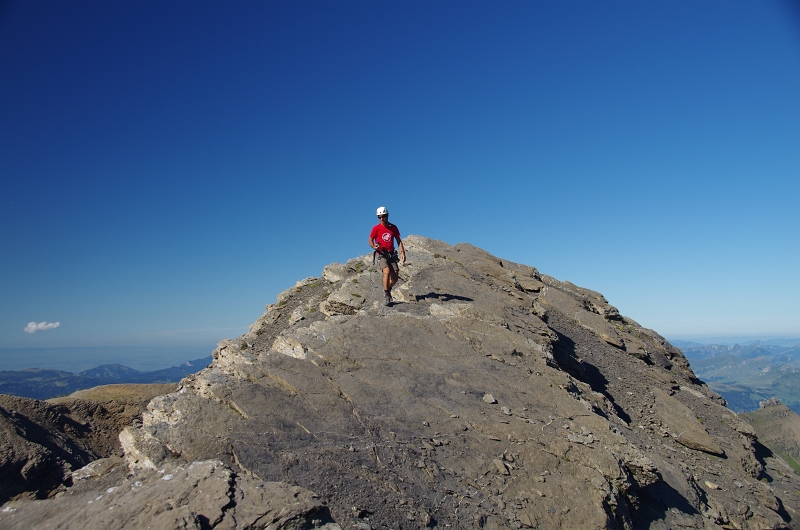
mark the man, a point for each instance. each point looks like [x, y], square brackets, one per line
[381, 240]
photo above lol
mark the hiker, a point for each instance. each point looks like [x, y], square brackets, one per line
[381, 239]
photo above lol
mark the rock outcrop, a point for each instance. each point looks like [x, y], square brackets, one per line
[488, 396]
[42, 442]
[778, 428]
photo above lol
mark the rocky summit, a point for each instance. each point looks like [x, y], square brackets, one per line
[487, 395]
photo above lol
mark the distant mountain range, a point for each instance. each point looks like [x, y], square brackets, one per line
[733, 341]
[747, 374]
[45, 384]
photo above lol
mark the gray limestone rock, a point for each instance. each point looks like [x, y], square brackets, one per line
[683, 424]
[205, 494]
[382, 412]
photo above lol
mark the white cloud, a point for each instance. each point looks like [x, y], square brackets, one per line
[33, 327]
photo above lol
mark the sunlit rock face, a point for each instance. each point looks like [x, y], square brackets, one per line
[487, 395]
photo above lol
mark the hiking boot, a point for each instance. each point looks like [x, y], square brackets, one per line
[387, 298]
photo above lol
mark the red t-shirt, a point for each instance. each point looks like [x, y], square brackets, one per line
[384, 236]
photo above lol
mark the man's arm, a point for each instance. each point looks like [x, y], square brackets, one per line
[372, 244]
[402, 250]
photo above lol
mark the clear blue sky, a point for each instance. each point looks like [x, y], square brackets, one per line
[166, 168]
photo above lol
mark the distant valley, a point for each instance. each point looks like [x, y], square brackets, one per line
[45, 384]
[747, 374]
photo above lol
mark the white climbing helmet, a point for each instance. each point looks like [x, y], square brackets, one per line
[383, 211]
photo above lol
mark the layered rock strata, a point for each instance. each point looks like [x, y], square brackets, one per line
[42, 442]
[488, 396]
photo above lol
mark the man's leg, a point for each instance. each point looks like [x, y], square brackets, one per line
[393, 276]
[386, 279]
[387, 285]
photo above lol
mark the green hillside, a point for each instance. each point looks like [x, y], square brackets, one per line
[778, 428]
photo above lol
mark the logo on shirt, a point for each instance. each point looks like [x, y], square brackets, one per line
[387, 237]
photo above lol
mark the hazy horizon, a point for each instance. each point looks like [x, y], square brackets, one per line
[148, 358]
[79, 358]
[730, 340]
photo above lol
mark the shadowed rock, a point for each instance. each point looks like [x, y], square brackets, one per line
[42, 442]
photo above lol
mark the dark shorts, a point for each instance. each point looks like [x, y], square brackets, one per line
[384, 262]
